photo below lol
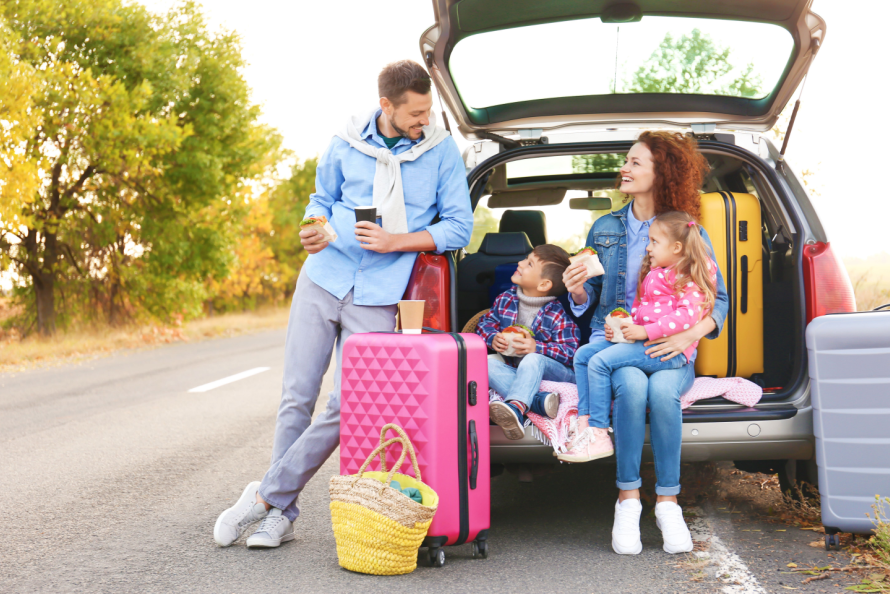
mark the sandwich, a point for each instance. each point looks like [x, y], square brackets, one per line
[320, 223]
[512, 332]
[614, 320]
[590, 259]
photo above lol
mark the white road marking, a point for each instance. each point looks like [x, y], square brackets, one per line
[731, 570]
[230, 379]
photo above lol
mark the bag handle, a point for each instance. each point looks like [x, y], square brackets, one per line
[406, 445]
[377, 450]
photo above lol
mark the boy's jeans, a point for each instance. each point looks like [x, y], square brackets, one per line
[522, 383]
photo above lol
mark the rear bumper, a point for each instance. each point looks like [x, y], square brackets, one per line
[704, 439]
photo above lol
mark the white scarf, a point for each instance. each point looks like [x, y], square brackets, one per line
[388, 195]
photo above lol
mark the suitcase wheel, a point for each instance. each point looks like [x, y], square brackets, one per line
[832, 541]
[437, 557]
[480, 549]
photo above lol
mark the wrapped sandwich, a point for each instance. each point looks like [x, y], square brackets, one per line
[513, 331]
[590, 259]
[320, 223]
[614, 321]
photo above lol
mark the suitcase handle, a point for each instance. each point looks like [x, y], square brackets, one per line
[474, 441]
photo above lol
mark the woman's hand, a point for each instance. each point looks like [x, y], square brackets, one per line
[574, 278]
[670, 347]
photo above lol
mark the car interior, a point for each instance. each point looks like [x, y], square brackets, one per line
[515, 211]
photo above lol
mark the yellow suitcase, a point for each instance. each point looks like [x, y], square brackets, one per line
[733, 224]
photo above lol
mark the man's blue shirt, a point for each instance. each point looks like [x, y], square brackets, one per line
[435, 183]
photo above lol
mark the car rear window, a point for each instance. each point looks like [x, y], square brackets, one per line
[588, 57]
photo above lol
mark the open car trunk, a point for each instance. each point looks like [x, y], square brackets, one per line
[536, 194]
[507, 65]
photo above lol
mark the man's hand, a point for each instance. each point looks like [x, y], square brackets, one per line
[499, 343]
[372, 237]
[574, 278]
[632, 331]
[524, 345]
[311, 240]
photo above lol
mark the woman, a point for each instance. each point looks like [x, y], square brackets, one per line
[663, 171]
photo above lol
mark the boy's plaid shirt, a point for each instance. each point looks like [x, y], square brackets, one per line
[556, 334]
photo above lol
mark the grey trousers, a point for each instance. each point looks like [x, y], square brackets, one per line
[318, 323]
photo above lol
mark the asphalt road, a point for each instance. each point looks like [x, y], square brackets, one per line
[112, 474]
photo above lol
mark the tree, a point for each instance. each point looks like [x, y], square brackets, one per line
[692, 64]
[288, 202]
[145, 137]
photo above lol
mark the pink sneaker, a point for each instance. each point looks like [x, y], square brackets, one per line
[591, 444]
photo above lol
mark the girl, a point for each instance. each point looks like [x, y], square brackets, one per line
[676, 288]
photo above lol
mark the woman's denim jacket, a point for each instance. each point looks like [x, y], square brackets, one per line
[607, 291]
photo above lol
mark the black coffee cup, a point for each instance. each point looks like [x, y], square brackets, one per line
[366, 213]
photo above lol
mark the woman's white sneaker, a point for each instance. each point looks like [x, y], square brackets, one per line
[232, 523]
[626, 529]
[669, 519]
[274, 530]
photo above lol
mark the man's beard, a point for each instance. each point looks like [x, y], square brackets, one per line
[403, 133]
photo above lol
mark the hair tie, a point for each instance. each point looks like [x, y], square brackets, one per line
[690, 224]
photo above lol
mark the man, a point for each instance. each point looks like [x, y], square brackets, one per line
[411, 171]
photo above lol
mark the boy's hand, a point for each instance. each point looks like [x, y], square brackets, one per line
[499, 344]
[525, 345]
[633, 332]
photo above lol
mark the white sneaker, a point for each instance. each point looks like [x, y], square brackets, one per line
[274, 530]
[232, 523]
[669, 519]
[626, 529]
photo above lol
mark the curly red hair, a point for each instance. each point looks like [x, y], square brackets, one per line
[680, 170]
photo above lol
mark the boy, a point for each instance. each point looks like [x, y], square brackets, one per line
[545, 355]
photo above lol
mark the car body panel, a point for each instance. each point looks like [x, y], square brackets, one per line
[644, 109]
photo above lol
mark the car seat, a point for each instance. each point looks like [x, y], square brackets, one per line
[475, 272]
[531, 222]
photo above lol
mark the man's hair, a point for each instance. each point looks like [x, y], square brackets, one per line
[399, 77]
[554, 261]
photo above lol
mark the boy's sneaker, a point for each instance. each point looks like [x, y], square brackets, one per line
[590, 444]
[274, 530]
[626, 529]
[508, 418]
[545, 404]
[232, 523]
[669, 519]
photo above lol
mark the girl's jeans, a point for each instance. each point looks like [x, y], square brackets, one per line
[660, 393]
[523, 382]
[597, 407]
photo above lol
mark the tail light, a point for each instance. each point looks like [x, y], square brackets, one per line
[431, 281]
[828, 288]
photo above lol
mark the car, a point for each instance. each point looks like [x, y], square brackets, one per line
[553, 94]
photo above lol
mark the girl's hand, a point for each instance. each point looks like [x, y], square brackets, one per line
[608, 330]
[574, 278]
[632, 331]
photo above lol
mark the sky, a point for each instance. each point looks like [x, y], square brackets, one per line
[312, 64]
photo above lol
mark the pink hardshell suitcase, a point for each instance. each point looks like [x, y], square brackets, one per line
[434, 386]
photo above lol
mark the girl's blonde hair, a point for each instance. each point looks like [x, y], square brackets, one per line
[694, 259]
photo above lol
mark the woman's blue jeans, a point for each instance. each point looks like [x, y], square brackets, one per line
[660, 393]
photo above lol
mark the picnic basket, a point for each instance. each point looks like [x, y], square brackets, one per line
[377, 528]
